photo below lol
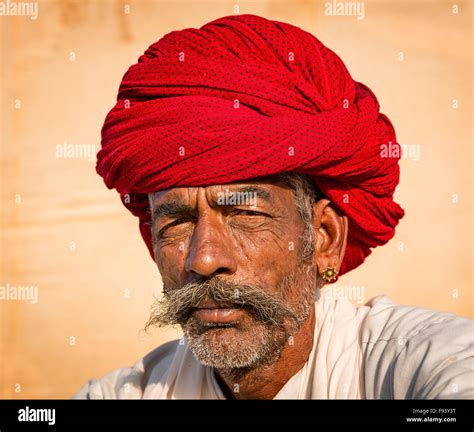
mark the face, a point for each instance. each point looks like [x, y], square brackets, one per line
[233, 273]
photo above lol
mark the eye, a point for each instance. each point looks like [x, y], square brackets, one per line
[243, 212]
[175, 223]
[178, 222]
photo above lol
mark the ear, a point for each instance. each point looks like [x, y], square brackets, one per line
[330, 232]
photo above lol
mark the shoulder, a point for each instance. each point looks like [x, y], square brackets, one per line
[386, 321]
[412, 352]
[130, 382]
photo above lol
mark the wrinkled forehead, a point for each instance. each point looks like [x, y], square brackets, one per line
[270, 191]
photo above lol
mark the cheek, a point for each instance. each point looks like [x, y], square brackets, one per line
[170, 261]
[274, 244]
[266, 260]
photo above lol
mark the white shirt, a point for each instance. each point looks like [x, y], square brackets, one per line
[377, 351]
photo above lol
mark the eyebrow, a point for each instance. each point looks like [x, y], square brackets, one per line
[170, 209]
[176, 208]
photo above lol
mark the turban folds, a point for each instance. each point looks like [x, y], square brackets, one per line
[245, 97]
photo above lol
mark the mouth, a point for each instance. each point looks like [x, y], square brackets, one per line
[212, 312]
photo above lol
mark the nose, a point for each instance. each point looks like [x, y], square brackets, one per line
[209, 251]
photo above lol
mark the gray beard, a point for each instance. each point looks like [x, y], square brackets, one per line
[237, 349]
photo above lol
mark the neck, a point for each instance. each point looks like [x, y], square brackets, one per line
[266, 381]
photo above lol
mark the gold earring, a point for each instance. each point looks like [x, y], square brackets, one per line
[329, 274]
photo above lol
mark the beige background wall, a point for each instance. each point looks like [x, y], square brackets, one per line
[62, 231]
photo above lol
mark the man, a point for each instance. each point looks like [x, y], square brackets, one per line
[254, 164]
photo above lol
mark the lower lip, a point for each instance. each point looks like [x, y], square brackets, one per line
[224, 315]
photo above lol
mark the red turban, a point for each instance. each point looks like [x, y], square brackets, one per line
[244, 97]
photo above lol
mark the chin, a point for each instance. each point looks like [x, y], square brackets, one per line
[235, 346]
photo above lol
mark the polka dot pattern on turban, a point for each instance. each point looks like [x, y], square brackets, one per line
[245, 97]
